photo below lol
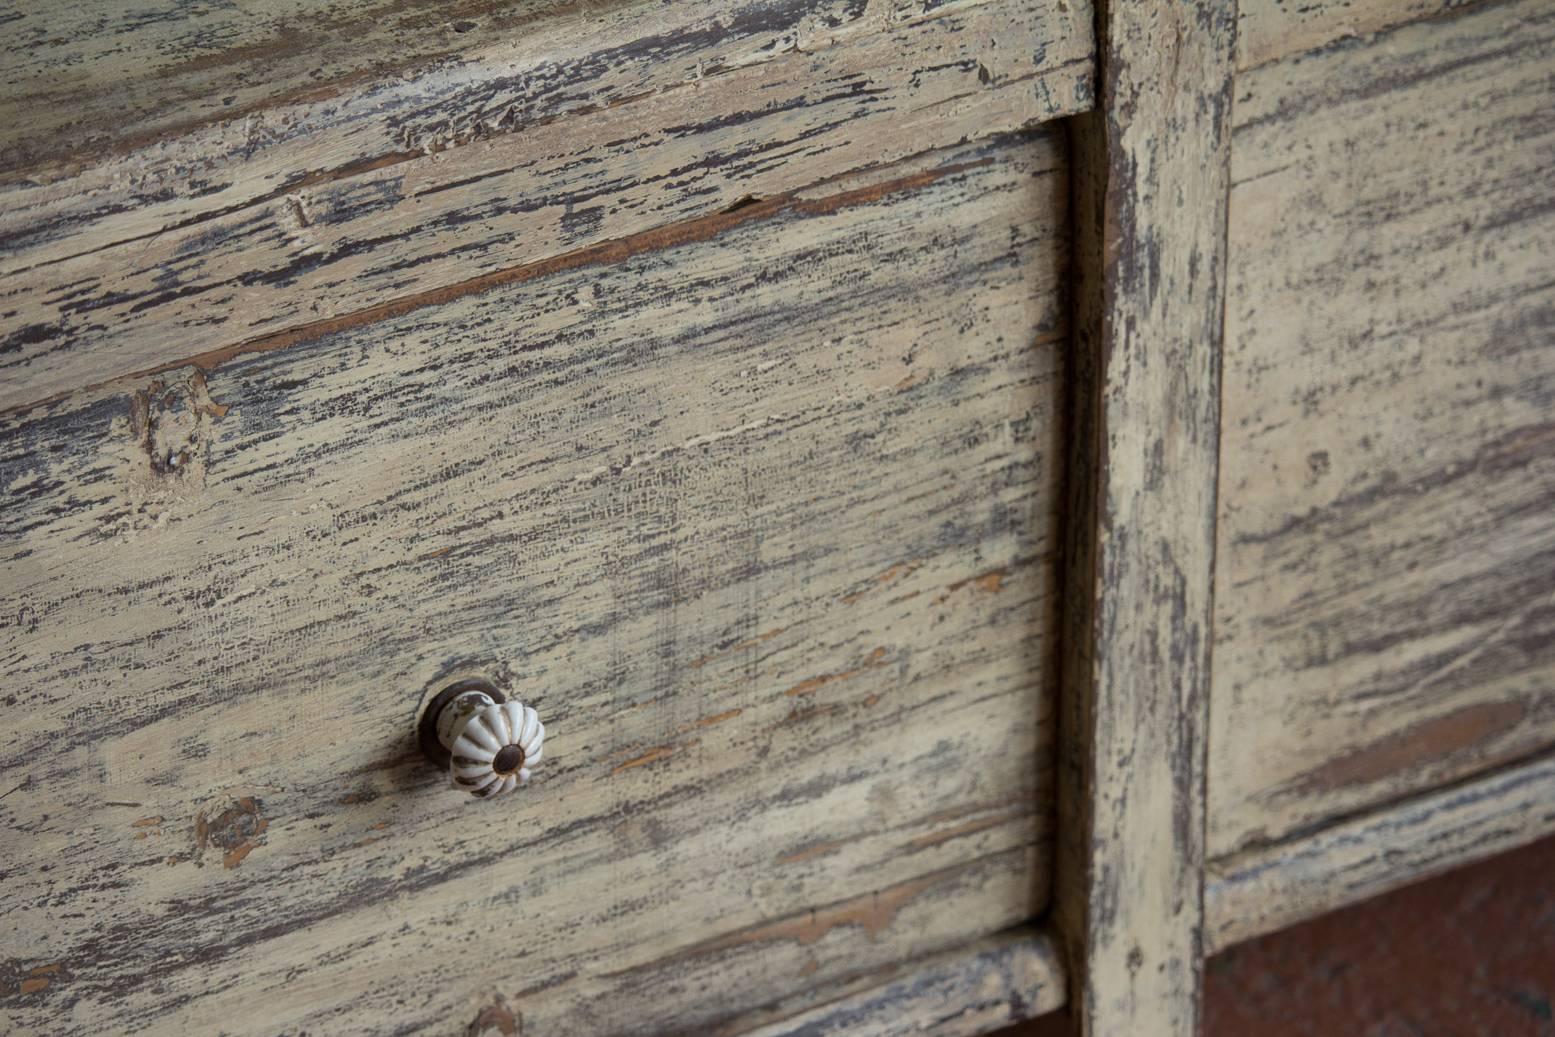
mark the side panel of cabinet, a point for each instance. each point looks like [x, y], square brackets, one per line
[1385, 592]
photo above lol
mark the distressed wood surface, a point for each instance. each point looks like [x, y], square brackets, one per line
[100, 76]
[1273, 887]
[1271, 29]
[273, 250]
[1151, 178]
[760, 516]
[1385, 586]
[978, 989]
[578, 60]
[92, 74]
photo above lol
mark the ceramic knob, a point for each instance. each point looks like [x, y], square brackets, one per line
[489, 743]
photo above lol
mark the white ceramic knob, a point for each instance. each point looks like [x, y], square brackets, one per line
[491, 744]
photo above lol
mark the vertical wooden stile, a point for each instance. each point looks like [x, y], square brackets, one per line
[1151, 180]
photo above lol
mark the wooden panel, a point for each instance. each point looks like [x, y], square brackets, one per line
[377, 211]
[992, 984]
[1385, 591]
[104, 72]
[1271, 29]
[97, 75]
[570, 63]
[1270, 888]
[1152, 169]
[760, 517]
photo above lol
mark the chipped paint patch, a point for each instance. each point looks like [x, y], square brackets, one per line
[945, 835]
[34, 980]
[811, 851]
[990, 582]
[718, 718]
[894, 574]
[237, 831]
[651, 756]
[496, 1017]
[743, 646]
[809, 687]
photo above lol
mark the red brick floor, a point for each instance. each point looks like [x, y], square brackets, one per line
[1467, 954]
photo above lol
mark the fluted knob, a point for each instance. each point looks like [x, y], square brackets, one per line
[490, 743]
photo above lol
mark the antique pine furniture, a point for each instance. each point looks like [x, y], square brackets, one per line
[986, 502]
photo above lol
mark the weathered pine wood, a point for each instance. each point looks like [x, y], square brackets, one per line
[107, 76]
[104, 73]
[1271, 29]
[761, 516]
[1270, 888]
[140, 293]
[1385, 585]
[993, 983]
[1151, 177]
[570, 62]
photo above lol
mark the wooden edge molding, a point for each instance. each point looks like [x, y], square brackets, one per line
[1266, 889]
[1151, 179]
[996, 982]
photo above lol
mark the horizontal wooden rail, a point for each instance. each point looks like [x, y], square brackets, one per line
[1260, 891]
[993, 983]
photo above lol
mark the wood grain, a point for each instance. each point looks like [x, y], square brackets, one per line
[99, 73]
[761, 520]
[100, 77]
[1271, 29]
[573, 62]
[1385, 590]
[281, 249]
[1270, 888]
[996, 982]
[1151, 177]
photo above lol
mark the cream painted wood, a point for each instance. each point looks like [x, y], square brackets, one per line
[577, 60]
[765, 514]
[981, 988]
[1385, 584]
[1271, 29]
[91, 75]
[1268, 888]
[373, 215]
[156, 80]
[1151, 177]
[701, 372]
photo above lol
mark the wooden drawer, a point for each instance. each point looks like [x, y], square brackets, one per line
[759, 511]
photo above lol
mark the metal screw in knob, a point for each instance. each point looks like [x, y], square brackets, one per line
[487, 742]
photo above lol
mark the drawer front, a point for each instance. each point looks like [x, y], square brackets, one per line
[1385, 585]
[760, 517]
[587, 134]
